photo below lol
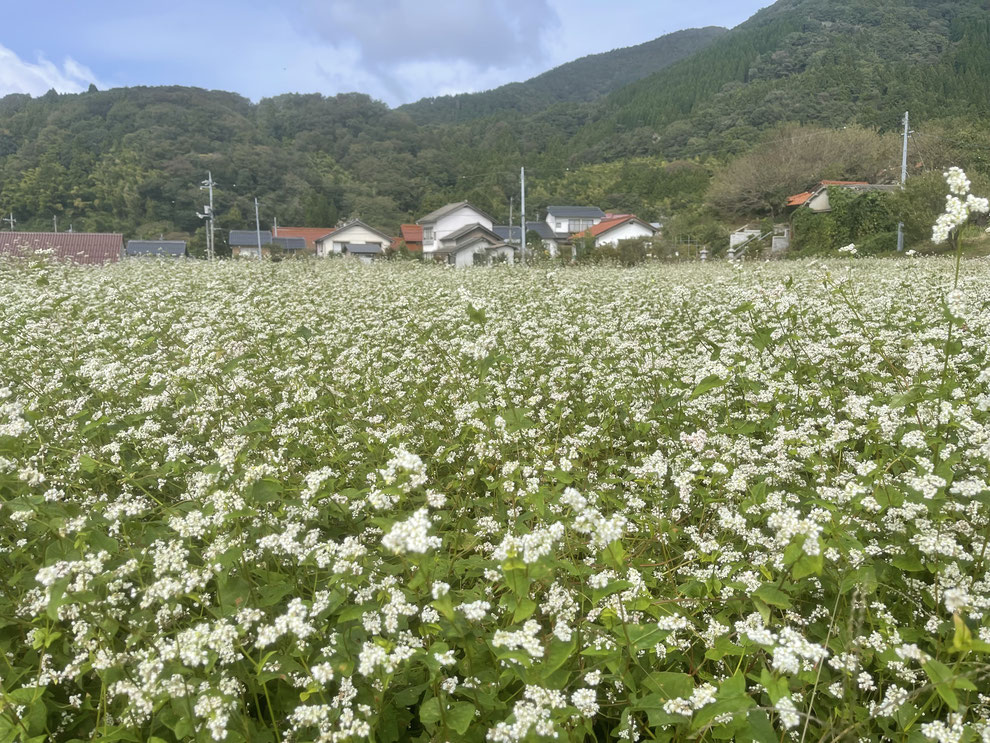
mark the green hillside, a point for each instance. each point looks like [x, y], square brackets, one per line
[582, 80]
[664, 146]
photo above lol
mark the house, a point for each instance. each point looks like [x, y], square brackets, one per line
[439, 225]
[551, 242]
[568, 220]
[354, 232]
[610, 231]
[244, 244]
[155, 249]
[412, 236]
[472, 245]
[85, 248]
[364, 252]
[817, 199]
[309, 234]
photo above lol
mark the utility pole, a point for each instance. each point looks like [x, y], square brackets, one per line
[900, 225]
[208, 184]
[11, 221]
[55, 222]
[275, 228]
[522, 218]
[257, 226]
[511, 204]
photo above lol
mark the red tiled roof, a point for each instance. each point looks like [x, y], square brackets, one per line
[412, 234]
[309, 234]
[799, 198]
[845, 183]
[89, 248]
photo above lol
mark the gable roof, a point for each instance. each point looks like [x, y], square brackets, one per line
[448, 209]
[173, 248]
[800, 199]
[353, 223]
[309, 234]
[610, 224]
[411, 233]
[87, 248]
[467, 229]
[248, 238]
[592, 212]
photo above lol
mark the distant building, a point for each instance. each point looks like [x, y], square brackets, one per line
[440, 224]
[155, 249]
[309, 234]
[244, 244]
[817, 199]
[364, 252]
[551, 242]
[86, 248]
[354, 232]
[412, 236]
[568, 220]
[611, 231]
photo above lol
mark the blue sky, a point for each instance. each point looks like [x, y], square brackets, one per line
[395, 50]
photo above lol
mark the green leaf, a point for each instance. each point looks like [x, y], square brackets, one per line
[708, 383]
[560, 653]
[773, 596]
[962, 640]
[941, 676]
[429, 711]
[459, 716]
[808, 565]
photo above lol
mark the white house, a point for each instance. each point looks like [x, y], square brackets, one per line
[567, 220]
[472, 245]
[352, 233]
[611, 231]
[439, 225]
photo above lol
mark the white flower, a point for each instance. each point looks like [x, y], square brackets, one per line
[586, 702]
[411, 535]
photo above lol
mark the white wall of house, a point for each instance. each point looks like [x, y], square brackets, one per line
[450, 223]
[819, 202]
[570, 225]
[504, 252]
[335, 241]
[626, 231]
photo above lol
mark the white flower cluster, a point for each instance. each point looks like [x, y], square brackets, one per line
[701, 696]
[411, 535]
[530, 713]
[404, 463]
[790, 648]
[959, 204]
[589, 520]
[531, 547]
[788, 523]
[527, 639]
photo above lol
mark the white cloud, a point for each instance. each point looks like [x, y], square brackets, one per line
[37, 78]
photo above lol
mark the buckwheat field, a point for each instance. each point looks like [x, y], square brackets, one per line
[335, 502]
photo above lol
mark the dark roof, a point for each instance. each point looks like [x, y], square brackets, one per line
[248, 238]
[310, 234]
[540, 228]
[90, 248]
[173, 248]
[467, 230]
[287, 243]
[363, 248]
[445, 210]
[591, 212]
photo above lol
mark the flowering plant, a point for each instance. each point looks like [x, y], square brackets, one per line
[395, 502]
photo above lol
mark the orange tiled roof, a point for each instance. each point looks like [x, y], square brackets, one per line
[799, 198]
[845, 183]
[412, 233]
[309, 234]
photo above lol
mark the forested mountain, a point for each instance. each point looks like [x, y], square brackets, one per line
[580, 81]
[131, 159]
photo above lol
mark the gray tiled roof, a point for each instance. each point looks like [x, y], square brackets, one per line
[287, 243]
[586, 212]
[363, 248]
[540, 228]
[467, 230]
[248, 238]
[173, 248]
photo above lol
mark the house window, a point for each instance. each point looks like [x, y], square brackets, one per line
[427, 234]
[560, 226]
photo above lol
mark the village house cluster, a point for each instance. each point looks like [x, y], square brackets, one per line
[457, 234]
